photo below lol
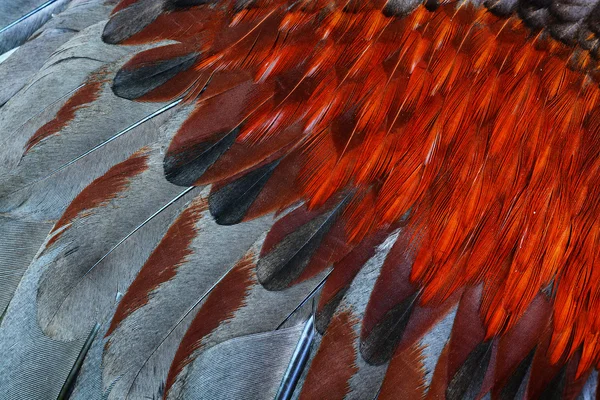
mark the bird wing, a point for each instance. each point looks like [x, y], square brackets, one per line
[307, 199]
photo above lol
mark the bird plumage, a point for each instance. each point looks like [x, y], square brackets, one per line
[421, 178]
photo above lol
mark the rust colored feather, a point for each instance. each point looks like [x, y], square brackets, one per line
[280, 191]
[333, 365]
[467, 331]
[519, 342]
[342, 276]
[392, 287]
[437, 389]
[177, 85]
[484, 131]
[220, 305]
[181, 25]
[101, 191]
[423, 318]
[82, 97]
[162, 263]
[405, 376]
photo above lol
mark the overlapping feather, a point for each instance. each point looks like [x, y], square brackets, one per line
[470, 135]
[411, 115]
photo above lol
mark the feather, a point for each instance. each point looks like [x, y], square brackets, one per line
[284, 257]
[228, 312]
[229, 204]
[208, 134]
[250, 366]
[67, 388]
[66, 111]
[52, 358]
[132, 83]
[145, 304]
[344, 272]
[468, 353]
[411, 369]
[131, 20]
[513, 361]
[336, 366]
[390, 306]
[19, 21]
[31, 195]
[16, 253]
[88, 384]
[297, 361]
[438, 162]
[30, 57]
[78, 279]
[43, 199]
[26, 60]
[429, 151]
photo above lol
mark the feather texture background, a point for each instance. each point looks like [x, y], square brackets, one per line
[202, 181]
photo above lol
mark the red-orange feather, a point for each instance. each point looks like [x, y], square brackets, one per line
[484, 132]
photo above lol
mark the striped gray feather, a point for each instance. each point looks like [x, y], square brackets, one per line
[62, 74]
[75, 290]
[25, 194]
[33, 366]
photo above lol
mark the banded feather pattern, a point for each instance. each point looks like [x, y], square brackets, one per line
[479, 128]
[419, 180]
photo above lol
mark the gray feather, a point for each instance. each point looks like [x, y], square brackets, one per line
[400, 8]
[20, 67]
[49, 198]
[88, 385]
[249, 367]
[589, 389]
[20, 19]
[28, 355]
[63, 73]
[273, 308]
[297, 361]
[75, 289]
[44, 201]
[571, 10]
[20, 242]
[135, 366]
[67, 388]
[27, 60]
